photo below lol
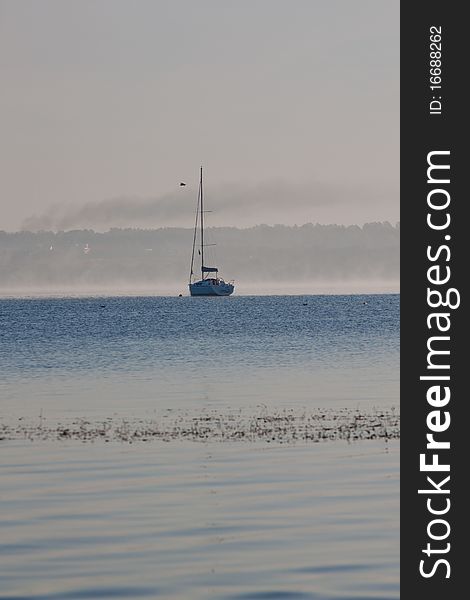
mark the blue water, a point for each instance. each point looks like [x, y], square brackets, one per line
[188, 519]
[104, 353]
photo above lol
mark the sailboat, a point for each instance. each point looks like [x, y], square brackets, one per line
[210, 283]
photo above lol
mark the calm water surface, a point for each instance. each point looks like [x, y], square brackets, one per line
[188, 519]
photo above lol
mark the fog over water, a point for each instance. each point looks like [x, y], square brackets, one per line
[262, 259]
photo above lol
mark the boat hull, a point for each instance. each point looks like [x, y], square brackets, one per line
[203, 288]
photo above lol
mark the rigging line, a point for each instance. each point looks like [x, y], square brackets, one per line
[194, 235]
[202, 228]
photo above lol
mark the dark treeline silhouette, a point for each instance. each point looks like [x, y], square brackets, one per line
[140, 257]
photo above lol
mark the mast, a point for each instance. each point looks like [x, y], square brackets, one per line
[191, 272]
[202, 227]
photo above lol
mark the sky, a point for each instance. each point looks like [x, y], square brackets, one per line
[292, 106]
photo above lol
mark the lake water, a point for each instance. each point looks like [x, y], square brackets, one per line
[171, 517]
